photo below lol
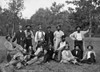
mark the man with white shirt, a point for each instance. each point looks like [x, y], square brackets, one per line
[40, 35]
[78, 37]
[57, 36]
[61, 47]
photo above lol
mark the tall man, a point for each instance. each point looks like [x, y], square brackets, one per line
[19, 36]
[29, 37]
[57, 36]
[49, 36]
[40, 35]
[78, 37]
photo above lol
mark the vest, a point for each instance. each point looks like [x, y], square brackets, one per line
[28, 34]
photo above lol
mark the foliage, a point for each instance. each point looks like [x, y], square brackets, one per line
[9, 18]
[51, 16]
[86, 13]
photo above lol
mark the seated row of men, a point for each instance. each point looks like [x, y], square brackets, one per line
[63, 54]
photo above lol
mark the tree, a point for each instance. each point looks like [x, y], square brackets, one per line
[85, 14]
[51, 16]
[15, 7]
[9, 18]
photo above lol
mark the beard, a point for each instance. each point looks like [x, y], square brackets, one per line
[58, 29]
[78, 31]
[28, 29]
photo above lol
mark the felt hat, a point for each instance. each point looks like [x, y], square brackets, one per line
[28, 26]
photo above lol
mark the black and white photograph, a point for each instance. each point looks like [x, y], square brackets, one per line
[49, 35]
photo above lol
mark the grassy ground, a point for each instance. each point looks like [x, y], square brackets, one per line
[57, 67]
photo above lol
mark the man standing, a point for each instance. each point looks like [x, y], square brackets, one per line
[49, 36]
[78, 37]
[19, 36]
[40, 35]
[29, 37]
[57, 36]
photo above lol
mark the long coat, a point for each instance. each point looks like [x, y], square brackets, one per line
[20, 37]
[49, 37]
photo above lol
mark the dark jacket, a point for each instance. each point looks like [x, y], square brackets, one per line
[48, 55]
[77, 53]
[49, 37]
[20, 37]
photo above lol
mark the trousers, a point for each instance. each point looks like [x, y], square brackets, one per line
[56, 43]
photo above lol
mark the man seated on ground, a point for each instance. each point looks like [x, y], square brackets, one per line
[90, 56]
[60, 48]
[48, 56]
[38, 54]
[9, 48]
[18, 57]
[77, 53]
[67, 56]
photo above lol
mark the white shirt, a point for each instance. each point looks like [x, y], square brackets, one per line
[89, 54]
[38, 51]
[58, 34]
[78, 36]
[62, 45]
[67, 55]
[38, 35]
[20, 30]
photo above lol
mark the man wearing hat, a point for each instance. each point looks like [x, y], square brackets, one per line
[49, 36]
[19, 36]
[57, 36]
[29, 36]
[40, 35]
[78, 37]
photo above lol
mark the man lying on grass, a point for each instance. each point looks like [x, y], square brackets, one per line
[9, 48]
[18, 58]
[38, 54]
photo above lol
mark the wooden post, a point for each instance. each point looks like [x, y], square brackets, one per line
[90, 27]
[90, 22]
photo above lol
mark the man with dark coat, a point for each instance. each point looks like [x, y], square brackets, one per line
[77, 53]
[19, 36]
[49, 36]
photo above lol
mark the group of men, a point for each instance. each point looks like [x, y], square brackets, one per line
[53, 42]
[25, 37]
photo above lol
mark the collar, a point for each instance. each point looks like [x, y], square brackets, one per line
[20, 30]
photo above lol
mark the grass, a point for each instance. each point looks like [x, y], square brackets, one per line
[54, 66]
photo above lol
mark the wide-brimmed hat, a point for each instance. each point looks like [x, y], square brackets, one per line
[58, 26]
[48, 27]
[89, 47]
[78, 27]
[28, 26]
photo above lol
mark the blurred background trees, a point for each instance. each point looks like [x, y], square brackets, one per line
[51, 16]
[86, 14]
[9, 18]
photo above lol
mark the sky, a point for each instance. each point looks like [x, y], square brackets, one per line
[31, 6]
